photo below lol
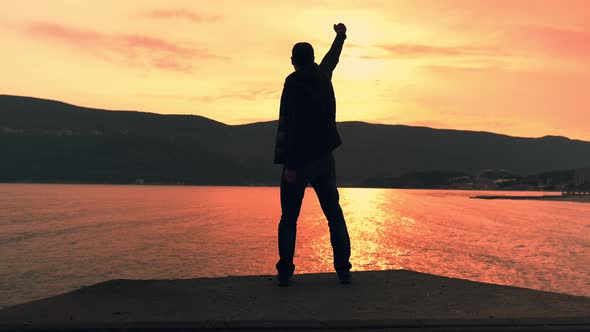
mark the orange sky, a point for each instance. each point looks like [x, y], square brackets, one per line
[520, 68]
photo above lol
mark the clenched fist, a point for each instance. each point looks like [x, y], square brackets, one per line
[340, 28]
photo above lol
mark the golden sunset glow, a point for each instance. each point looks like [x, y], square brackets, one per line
[520, 68]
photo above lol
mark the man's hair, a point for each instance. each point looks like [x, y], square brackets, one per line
[302, 54]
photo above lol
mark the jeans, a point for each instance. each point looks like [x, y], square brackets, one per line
[321, 175]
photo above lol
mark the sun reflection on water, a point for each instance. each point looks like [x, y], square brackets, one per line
[370, 227]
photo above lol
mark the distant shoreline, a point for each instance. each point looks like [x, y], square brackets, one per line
[562, 198]
[177, 184]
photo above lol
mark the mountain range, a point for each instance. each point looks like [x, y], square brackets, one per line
[44, 140]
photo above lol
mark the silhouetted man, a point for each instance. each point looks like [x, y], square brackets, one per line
[305, 140]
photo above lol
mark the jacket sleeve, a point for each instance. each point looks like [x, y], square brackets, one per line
[331, 58]
[294, 112]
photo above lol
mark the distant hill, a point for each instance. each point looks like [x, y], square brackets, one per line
[44, 140]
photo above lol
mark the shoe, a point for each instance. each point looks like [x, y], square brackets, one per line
[284, 281]
[344, 277]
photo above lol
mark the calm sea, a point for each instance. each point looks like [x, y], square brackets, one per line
[57, 238]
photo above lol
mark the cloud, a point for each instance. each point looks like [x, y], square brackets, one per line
[252, 92]
[465, 69]
[245, 91]
[516, 44]
[181, 14]
[159, 95]
[422, 50]
[552, 40]
[126, 49]
[56, 31]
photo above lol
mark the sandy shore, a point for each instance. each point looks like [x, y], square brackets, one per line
[564, 198]
[377, 298]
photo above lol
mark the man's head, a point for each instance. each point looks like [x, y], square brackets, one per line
[302, 54]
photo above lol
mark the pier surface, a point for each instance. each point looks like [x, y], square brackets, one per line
[376, 300]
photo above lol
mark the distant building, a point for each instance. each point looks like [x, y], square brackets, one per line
[11, 131]
[582, 176]
[95, 132]
[64, 132]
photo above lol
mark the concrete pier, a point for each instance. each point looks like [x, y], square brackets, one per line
[376, 300]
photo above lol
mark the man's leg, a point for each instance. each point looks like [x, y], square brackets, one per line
[327, 192]
[291, 198]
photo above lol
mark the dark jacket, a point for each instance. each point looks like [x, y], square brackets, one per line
[307, 115]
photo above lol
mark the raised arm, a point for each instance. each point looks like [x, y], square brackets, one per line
[331, 58]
